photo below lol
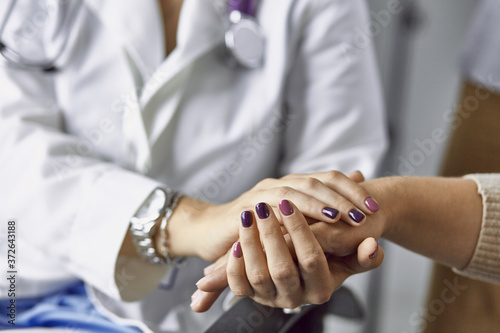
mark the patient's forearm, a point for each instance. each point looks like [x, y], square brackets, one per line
[436, 217]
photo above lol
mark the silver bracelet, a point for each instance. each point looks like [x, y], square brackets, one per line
[163, 251]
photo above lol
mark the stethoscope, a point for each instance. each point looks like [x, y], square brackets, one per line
[16, 60]
[244, 41]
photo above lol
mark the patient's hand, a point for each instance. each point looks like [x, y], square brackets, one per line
[282, 269]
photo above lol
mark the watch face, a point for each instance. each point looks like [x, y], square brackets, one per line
[245, 41]
[152, 207]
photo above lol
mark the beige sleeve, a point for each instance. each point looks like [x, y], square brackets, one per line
[485, 263]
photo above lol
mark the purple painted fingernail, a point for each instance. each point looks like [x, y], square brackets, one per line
[262, 211]
[246, 219]
[356, 215]
[237, 253]
[374, 253]
[330, 212]
[286, 208]
[372, 204]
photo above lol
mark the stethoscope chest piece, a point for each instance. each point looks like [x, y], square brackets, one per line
[245, 40]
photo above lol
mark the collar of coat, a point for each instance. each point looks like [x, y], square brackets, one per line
[137, 25]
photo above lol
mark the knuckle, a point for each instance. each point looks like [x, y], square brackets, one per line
[258, 279]
[360, 192]
[240, 291]
[358, 175]
[334, 174]
[233, 274]
[284, 191]
[311, 183]
[266, 182]
[283, 274]
[312, 261]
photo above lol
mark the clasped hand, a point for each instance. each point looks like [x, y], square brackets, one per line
[287, 256]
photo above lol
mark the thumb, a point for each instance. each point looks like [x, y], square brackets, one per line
[370, 255]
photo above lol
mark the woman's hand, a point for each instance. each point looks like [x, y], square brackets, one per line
[208, 231]
[267, 273]
[262, 267]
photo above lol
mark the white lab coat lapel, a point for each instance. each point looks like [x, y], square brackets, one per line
[138, 27]
[201, 29]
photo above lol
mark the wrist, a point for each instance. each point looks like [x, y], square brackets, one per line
[185, 230]
[391, 195]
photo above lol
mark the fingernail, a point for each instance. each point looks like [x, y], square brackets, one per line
[195, 298]
[246, 219]
[286, 208]
[202, 280]
[356, 215]
[330, 212]
[237, 253]
[372, 205]
[374, 253]
[262, 211]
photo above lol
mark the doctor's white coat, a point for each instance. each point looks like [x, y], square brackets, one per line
[81, 149]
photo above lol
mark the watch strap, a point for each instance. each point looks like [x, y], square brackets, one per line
[145, 222]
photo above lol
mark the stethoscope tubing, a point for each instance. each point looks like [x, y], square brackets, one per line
[15, 60]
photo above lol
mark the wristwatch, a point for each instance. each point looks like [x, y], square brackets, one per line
[146, 222]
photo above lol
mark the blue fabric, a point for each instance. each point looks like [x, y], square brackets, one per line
[69, 308]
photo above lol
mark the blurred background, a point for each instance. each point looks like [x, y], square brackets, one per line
[418, 53]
